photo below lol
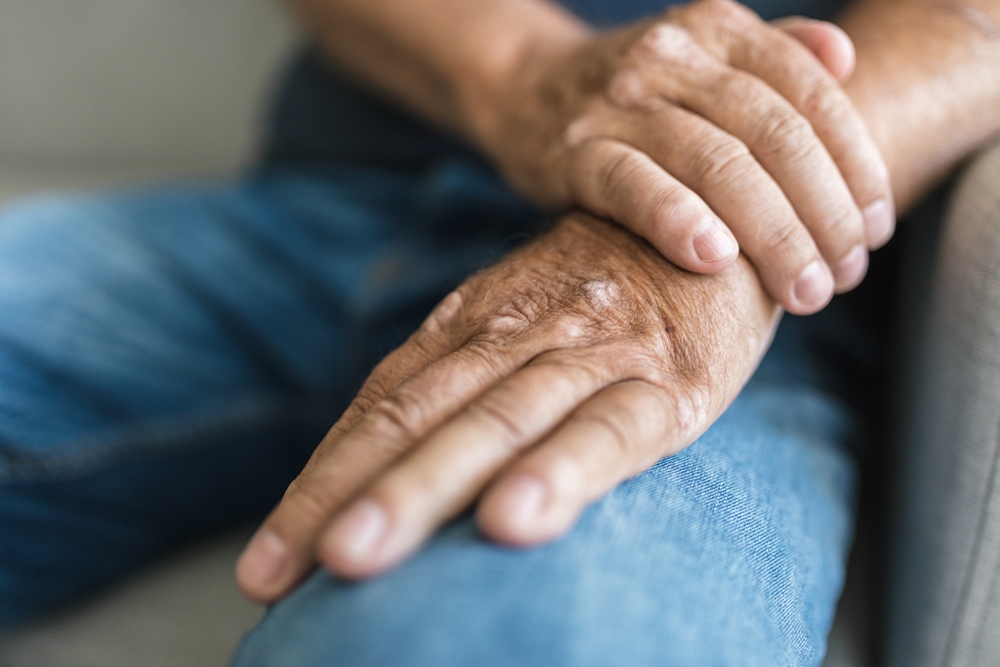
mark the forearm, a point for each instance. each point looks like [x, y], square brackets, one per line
[927, 83]
[445, 60]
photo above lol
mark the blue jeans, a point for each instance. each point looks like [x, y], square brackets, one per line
[169, 357]
[730, 553]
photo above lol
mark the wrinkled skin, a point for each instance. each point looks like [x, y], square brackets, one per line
[703, 121]
[536, 387]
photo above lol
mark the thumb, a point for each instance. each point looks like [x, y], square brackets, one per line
[827, 41]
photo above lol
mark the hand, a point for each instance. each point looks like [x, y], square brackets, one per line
[536, 387]
[704, 121]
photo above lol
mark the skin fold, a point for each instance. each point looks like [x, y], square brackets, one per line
[586, 355]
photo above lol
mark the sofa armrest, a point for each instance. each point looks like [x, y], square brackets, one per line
[944, 574]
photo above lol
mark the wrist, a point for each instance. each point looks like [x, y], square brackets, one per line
[926, 86]
[508, 65]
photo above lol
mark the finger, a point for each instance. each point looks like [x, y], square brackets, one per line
[427, 344]
[772, 55]
[618, 433]
[282, 551]
[622, 183]
[826, 40]
[430, 342]
[785, 144]
[723, 172]
[445, 474]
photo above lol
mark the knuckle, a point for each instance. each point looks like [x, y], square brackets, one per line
[786, 240]
[427, 345]
[720, 160]
[583, 128]
[669, 200]
[614, 425]
[645, 357]
[487, 358]
[784, 135]
[625, 89]
[615, 176]
[449, 307]
[651, 363]
[843, 226]
[566, 331]
[691, 410]
[493, 412]
[664, 42]
[397, 488]
[569, 329]
[397, 415]
[680, 364]
[486, 352]
[369, 395]
[378, 384]
[567, 368]
[311, 505]
[519, 311]
[827, 103]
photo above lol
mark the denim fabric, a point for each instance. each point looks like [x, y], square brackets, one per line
[730, 553]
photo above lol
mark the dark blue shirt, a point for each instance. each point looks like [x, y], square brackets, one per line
[615, 12]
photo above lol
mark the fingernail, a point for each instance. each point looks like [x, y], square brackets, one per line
[714, 243]
[851, 269]
[814, 285]
[523, 500]
[356, 534]
[880, 219]
[262, 561]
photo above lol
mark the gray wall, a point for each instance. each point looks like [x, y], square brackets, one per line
[99, 89]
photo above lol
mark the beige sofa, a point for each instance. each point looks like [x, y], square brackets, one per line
[106, 92]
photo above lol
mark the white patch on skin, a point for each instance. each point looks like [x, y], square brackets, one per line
[661, 38]
[671, 45]
[572, 332]
[578, 131]
[602, 294]
[691, 412]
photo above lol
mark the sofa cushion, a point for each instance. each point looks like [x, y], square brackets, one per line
[944, 606]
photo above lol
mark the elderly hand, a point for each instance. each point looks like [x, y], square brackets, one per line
[537, 386]
[703, 121]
